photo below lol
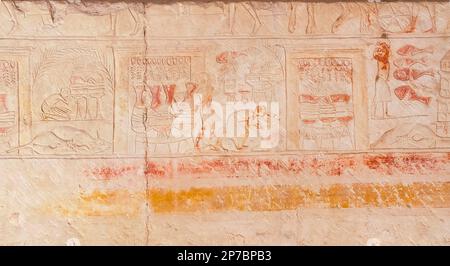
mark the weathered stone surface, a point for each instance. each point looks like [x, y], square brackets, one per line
[344, 137]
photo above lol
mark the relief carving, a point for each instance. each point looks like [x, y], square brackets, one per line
[408, 96]
[74, 112]
[324, 108]
[8, 104]
[149, 120]
[158, 83]
[325, 98]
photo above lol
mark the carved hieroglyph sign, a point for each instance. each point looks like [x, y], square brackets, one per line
[158, 122]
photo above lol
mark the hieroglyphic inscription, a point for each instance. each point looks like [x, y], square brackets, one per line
[8, 104]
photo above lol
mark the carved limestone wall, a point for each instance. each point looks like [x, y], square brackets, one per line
[121, 122]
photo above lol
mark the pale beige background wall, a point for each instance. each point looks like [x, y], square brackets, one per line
[85, 151]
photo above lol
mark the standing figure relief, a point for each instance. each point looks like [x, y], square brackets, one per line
[53, 12]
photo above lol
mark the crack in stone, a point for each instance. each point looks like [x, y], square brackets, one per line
[147, 191]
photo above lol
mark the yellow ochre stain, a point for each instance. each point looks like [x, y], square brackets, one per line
[104, 203]
[289, 197]
[122, 202]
